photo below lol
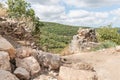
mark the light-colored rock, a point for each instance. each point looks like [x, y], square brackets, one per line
[6, 46]
[50, 60]
[67, 73]
[83, 66]
[4, 61]
[85, 40]
[44, 77]
[23, 52]
[22, 73]
[30, 64]
[117, 48]
[24, 43]
[5, 75]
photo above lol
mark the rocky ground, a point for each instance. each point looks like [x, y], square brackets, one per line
[20, 59]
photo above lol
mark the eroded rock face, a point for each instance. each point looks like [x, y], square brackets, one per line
[52, 61]
[6, 46]
[4, 61]
[5, 75]
[22, 73]
[30, 64]
[67, 73]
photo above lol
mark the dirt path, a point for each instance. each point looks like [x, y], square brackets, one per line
[106, 63]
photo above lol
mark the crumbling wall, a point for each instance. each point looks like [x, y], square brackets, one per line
[83, 41]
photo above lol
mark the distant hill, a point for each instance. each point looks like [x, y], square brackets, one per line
[55, 37]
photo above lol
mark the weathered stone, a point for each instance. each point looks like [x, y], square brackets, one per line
[52, 61]
[23, 52]
[4, 61]
[85, 40]
[30, 64]
[5, 75]
[83, 66]
[73, 74]
[22, 73]
[45, 77]
[6, 46]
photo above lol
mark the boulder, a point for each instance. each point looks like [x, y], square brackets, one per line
[52, 61]
[5, 75]
[30, 64]
[22, 73]
[4, 61]
[67, 73]
[23, 52]
[6, 46]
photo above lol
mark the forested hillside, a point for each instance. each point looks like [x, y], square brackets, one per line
[55, 37]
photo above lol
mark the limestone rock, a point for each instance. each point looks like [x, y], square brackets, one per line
[30, 64]
[23, 52]
[5, 75]
[6, 46]
[52, 61]
[22, 73]
[67, 73]
[4, 61]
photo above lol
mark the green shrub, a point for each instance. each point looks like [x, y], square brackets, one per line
[108, 33]
[105, 44]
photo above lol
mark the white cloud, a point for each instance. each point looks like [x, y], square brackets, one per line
[91, 3]
[48, 12]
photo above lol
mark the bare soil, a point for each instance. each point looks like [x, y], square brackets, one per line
[106, 62]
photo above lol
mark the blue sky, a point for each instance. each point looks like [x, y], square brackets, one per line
[78, 12]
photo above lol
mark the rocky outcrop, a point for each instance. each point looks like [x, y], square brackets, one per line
[5, 75]
[22, 73]
[4, 61]
[67, 73]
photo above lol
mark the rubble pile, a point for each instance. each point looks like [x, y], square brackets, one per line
[16, 31]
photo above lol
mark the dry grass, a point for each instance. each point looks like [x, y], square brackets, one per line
[3, 12]
[65, 51]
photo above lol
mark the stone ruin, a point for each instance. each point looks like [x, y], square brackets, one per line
[28, 63]
[17, 32]
[83, 41]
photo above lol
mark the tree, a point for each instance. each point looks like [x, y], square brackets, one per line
[21, 9]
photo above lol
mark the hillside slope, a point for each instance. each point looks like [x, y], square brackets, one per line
[54, 37]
